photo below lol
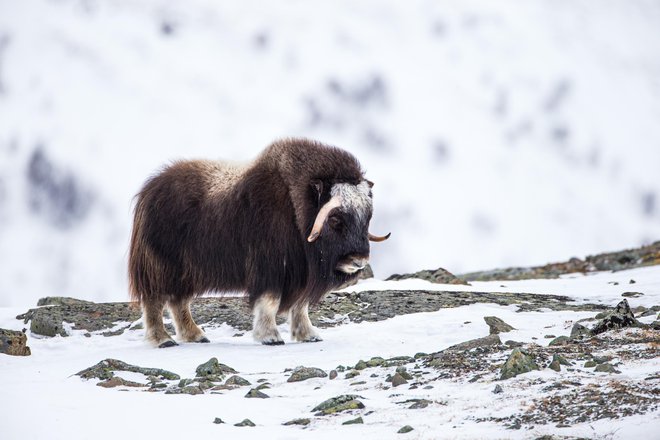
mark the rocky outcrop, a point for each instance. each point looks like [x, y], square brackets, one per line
[611, 261]
[350, 306]
[439, 276]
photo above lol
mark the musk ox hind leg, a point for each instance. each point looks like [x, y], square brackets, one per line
[301, 327]
[186, 329]
[155, 330]
[264, 328]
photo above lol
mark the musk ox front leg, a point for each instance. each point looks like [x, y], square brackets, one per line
[153, 318]
[186, 329]
[301, 327]
[264, 328]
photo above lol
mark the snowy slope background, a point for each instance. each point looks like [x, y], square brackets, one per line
[498, 133]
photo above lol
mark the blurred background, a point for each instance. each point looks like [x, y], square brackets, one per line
[497, 133]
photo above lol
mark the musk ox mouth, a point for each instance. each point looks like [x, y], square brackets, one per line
[352, 264]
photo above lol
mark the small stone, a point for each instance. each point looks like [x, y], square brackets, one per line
[14, 343]
[304, 373]
[351, 374]
[498, 389]
[398, 379]
[632, 281]
[632, 294]
[245, 422]
[590, 364]
[497, 325]
[476, 343]
[213, 368]
[333, 374]
[361, 365]
[192, 390]
[218, 421]
[338, 404]
[554, 365]
[263, 386]
[606, 368]
[237, 381]
[420, 404]
[360, 382]
[513, 344]
[256, 394]
[549, 336]
[403, 372]
[561, 340]
[357, 421]
[406, 429]
[519, 362]
[185, 382]
[375, 362]
[117, 382]
[301, 422]
[560, 359]
[578, 331]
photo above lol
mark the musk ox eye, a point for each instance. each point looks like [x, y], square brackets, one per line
[335, 222]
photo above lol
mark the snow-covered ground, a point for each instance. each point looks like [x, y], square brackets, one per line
[42, 398]
[498, 133]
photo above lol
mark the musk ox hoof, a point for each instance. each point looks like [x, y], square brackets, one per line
[204, 340]
[167, 344]
[312, 339]
[273, 342]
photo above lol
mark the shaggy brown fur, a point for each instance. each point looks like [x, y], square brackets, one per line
[203, 226]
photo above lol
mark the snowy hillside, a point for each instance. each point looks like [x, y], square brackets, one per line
[498, 133]
[605, 388]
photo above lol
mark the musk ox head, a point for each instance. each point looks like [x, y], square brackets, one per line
[341, 228]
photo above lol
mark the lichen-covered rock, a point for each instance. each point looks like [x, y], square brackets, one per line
[519, 362]
[406, 429]
[398, 379]
[357, 421]
[13, 343]
[214, 368]
[560, 340]
[218, 421]
[606, 368]
[60, 301]
[621, 317]
[105, 370]
[497, 325]
[333, 374]
[301, 422]
[439, 276]
[303, 373]
[245, 422]
[237, 381]
[489, 340]
[339, 403]
[578, 331]
[119, 382]
[256, 394]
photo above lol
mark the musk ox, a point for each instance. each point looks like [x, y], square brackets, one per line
[285, 229]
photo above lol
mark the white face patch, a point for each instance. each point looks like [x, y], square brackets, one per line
[354, 198]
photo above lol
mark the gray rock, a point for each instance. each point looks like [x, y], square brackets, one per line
[519, 362]
[398, 379]
[554, 365]
[333, 374]
[606, 368]
[245, 422]
[237, 381]
[621, 317]
[218, 421]
[498, 389]
[590, 364]
[256, 394]
[497, 325]
[419, 404]
[301, 422]
[105, 370]
[632, 294]
[335, 402]
[578, 331]
[439, 276]
[13, 343]
[489, 340]
[214, 368]
[403, 372]
[561, 340]
[304, 373]
[60, 301]
[406, 429]
[351, 374]
[119, 382]
[357, 421]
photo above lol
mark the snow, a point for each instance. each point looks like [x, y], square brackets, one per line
[497, 133]
[42, 398]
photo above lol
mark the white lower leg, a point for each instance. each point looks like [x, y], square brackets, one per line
[301, 326]
[264, 328]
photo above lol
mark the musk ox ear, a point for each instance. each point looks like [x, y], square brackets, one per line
[369, 182]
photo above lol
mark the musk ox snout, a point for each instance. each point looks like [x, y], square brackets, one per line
[352, 263]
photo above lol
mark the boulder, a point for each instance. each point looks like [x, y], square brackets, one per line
[13, 343]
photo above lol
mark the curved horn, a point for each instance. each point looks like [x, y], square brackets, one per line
[378, 239]
[322, 216]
